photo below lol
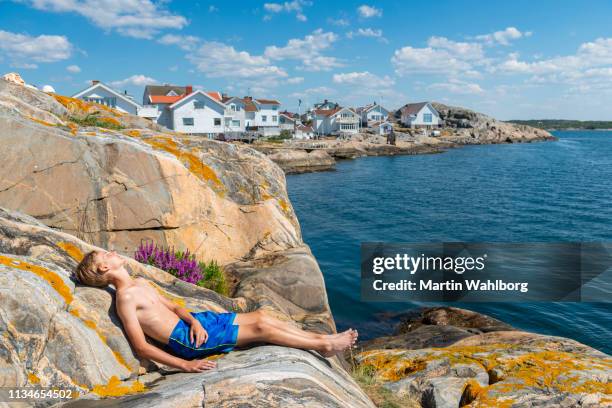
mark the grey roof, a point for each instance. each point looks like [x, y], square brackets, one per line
[413, 108]
[164, 89]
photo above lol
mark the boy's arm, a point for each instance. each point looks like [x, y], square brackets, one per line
[196, 331]
[127, 312]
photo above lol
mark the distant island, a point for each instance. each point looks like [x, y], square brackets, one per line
[563, 124]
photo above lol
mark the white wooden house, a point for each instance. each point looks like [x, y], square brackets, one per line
[103, 94]
[303, 132]
[372, 113]
[420, 115]
[336, 121]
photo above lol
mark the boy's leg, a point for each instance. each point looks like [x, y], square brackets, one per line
[262, 331]
[259, 315]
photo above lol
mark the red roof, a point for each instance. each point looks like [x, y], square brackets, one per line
[214, 94]
[165, 98]
[268, 101]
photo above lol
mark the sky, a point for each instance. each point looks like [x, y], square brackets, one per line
[512, 59]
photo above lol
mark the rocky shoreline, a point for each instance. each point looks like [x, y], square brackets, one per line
[66, 189]
[465, 127]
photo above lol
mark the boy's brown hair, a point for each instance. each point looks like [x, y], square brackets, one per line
[87, 271]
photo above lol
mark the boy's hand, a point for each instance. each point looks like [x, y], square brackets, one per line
[197, 366]
[197, 331]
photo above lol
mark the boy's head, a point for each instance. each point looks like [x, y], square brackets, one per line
[98, 267]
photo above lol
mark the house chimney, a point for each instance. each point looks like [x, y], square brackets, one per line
[248, 98]
[223, 95]
[95, 81]
[188, 89]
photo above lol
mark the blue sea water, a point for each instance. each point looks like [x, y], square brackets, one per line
[539, 192]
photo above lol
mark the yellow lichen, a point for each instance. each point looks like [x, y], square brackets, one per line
[283, 204]
[133, 133]
[42, 122]
[115, 388]
[71, 250]
[193, 163]
[51, 277]
[392, 367]
[33, 379]
[73, 128]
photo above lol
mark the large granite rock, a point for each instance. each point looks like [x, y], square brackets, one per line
[84, 176]
[301, 161]
[449, 357]
[114, 187]
[58, 333]
[465, 126]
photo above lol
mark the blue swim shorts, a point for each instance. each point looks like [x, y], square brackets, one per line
[222, 335]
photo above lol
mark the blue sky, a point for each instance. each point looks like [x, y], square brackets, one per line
[512, 59]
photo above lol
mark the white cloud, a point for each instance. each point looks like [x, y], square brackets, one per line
[503, 37]
[75, 69]
[218, 60]
[340, 22]
[135, 80]
[25, 50]
[184, 42]
[307, 50]
[366, 11]
[295, 6]
[363, 79]
[367, 32]
[24, 65]
[318, 92]
[457, 86]
[441, 56]
[295, 80]
[133, 18]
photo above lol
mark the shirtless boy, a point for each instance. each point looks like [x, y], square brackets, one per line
[191, 336]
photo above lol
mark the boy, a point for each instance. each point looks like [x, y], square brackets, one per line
[191, 336]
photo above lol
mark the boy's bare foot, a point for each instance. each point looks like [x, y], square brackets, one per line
[340, 342]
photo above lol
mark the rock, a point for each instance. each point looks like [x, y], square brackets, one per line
[488, 367]
[14, 77]
[84, 176]
[469, 127]
[56, 333]
[219, 200]
[302, 161]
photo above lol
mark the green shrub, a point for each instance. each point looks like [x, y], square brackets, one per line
[93, 119]
[213, 277]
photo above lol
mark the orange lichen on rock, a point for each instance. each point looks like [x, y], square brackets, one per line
[71, 250]
[193, 163]
[33, 379]
[42, 122]
[111, 121]
[133, 133]
[283, 204]
[476, 396]
[51, 277]
[115, 388]
[392, 367]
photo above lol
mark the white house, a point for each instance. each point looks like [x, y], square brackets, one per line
[372, 113]
[102, 94]
[201, 113]
[336, 121]
[262, 116]
[420, 115]
[288, 121]
[303, 132]
[384, 128]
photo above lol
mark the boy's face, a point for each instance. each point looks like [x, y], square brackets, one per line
[109, 260]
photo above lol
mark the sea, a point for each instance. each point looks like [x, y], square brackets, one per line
[557, 191]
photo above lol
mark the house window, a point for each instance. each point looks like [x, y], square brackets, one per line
[227, 121]
[217, 121]
[264, 118]
[198, 105]
[233, 107]
[236, 123]
[188, 121]
[108, 101]
[427, 117]
[274, 118]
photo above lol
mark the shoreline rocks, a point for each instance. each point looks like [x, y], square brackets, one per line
[450, 357]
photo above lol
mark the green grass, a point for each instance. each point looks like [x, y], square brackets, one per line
[95, 120]
[365, 376]
[214, 277]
